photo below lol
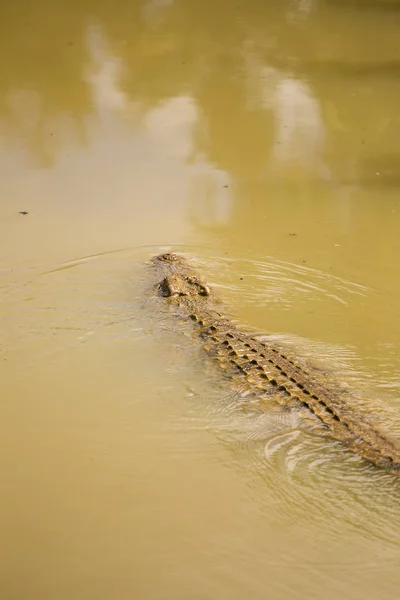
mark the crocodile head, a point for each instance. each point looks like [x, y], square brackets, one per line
[170, 260]
[179, 279]
[178, 285]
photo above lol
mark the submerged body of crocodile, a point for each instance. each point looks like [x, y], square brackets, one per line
[264, 369]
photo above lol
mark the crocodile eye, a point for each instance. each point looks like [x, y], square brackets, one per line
[204, 290]
[164, 288]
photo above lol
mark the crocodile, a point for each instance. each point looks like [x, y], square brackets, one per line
[265, 370]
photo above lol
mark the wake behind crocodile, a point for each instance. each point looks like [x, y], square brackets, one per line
[266, 372]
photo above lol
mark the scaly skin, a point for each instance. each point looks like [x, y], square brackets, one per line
[265, 370]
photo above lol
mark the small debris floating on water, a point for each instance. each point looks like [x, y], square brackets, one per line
[23, 212]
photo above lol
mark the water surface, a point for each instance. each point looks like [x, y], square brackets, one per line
[261, 140]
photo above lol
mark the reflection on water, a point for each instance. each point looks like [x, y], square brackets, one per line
[299, 133]
[261, 140]
[154, 7]
[171, 124]
[300, 9]
[104, 74]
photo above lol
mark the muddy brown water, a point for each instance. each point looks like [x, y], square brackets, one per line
[261, 140]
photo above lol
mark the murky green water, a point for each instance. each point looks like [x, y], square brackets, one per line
[262, 140]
